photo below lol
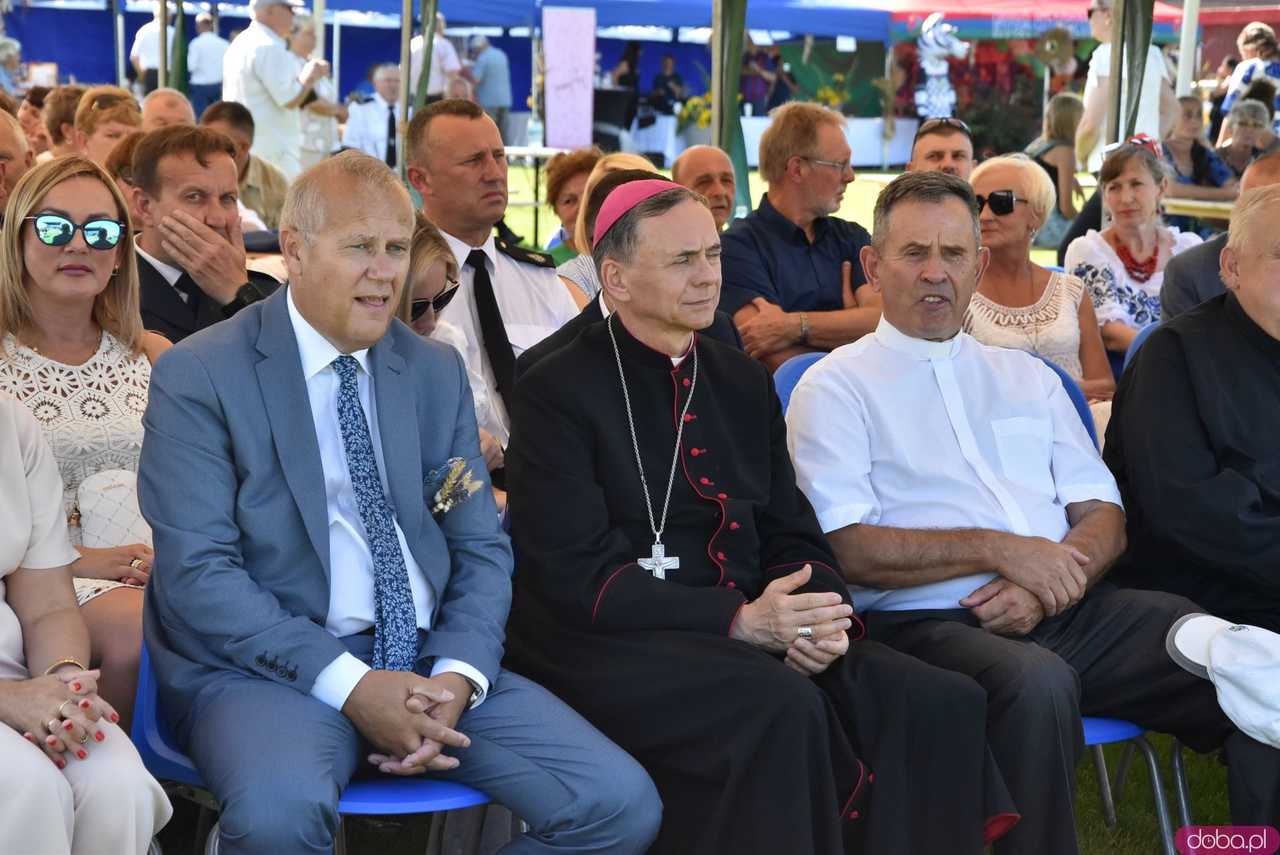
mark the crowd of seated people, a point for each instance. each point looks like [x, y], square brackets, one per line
[924, 561]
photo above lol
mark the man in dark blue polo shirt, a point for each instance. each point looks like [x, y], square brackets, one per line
[792, 279]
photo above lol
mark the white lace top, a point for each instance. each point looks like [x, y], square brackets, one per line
[1117, 297]
[1050, 327]
[90, 413]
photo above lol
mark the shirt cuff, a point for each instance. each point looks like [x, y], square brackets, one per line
[336, 681]
[457, 666]
[842, 516]
[1073, 493]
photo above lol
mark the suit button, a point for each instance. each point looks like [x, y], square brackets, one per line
[261, 660]
[293, 674]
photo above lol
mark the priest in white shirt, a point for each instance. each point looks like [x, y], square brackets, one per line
[974, 521]
[371, 126]
[144, 55]
[204, 63]
[259, 72]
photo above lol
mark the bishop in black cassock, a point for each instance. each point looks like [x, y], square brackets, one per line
[878, 752]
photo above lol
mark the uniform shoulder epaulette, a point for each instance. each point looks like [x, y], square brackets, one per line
[528, 256]
[359, 98]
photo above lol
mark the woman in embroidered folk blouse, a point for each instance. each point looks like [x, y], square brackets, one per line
[1123, 265]
[1019, 304]
[73, 351]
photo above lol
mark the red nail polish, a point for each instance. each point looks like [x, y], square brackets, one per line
[84, 705]
[75, 687]
[67, 726]
[99, 736]
[114, 718]
[62, 764]
[81, 753]
[50, 741]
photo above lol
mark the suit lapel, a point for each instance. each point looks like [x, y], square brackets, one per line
[284, 391]
[397, 407]
[158, 298]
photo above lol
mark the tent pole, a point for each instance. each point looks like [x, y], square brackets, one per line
[428, 11]
[406, 32]
[1188, 61]
[337, 51]
[117, 16]
[1114, 79]
[717, 68]
[162, 75]
[317, 23]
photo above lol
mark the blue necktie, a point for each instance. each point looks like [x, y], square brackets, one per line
[395, 638]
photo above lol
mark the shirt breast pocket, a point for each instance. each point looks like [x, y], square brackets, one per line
[1025, 446]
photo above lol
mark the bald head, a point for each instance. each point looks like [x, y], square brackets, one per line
[165, 108]
[1261, 173]
[707, 170]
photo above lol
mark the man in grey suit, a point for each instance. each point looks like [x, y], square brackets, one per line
[318, 593]
[1194, 276]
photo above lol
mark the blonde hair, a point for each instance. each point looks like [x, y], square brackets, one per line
[792, 131]
[1042, 196]
[116, 309]
[615, 162]
[428, 247]
[306, 207]
[103, 104]
[1256, 204]
[1062, 117]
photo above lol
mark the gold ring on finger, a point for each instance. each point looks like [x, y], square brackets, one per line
[84, 737]
[136, 564]
[805, 632]
[63, 704]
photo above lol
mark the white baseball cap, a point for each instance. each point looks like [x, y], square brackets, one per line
[259, 5]
[1242, 662]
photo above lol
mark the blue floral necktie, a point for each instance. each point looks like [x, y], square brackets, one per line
[395, 638]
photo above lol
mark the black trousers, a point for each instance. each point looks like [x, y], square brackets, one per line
[1104, 657]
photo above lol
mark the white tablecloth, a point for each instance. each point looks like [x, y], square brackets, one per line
[863, 134]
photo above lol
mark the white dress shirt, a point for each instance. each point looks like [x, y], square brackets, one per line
[1154, 77]
[366, 128]
[170, 273]
[351, 596]
[903, 432]
[444, 61]
[146, 45]
[204, 59]
[259, 72]
[533, 301]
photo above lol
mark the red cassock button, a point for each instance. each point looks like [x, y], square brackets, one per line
[686, 382]
[733, 526]
[721, 556]
[722, 495]
[731, 585]
[688, 417]
[694, 452]
[854, 814]
[704, 481]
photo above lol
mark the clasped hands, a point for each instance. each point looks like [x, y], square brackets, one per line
[1038, 578]
[774, 620]
[59, 713]
[771, 329]
[409, 719]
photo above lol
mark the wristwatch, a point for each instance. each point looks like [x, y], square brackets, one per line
[804, 328]
[475, 690]
[246, 295]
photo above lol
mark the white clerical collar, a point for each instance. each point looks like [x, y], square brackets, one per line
[917, 348]
[462, 249]
[316, 351]
[170, 273]
[604, 306]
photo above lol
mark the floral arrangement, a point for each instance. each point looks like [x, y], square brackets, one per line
[457, 485]
[696, 112]
[834, 94]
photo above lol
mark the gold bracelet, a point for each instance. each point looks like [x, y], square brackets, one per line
[56, 665]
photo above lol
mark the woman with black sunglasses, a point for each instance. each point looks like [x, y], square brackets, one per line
[1020, 304]
[73, 351]
[432, 283]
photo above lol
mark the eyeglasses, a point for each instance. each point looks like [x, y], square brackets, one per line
[108, 99]
[57, 230]
[1001, 202]
[1098, 10]
[930, 126]
[840, 166]
[436, 304]
[1143, 141]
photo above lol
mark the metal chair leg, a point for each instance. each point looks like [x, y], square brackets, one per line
[211, 845]
[154, 848]
[206, 820]
[340, 838]
[1180, 788]
[1157, 792]
[1104, 785]
[1122, 772]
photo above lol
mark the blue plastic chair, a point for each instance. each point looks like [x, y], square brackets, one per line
[362, 797]
[1105, 731]
[789, 373]
[1077, 397]
[1137, 343]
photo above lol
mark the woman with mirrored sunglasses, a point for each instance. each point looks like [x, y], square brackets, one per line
[1020, 304]
[431, 285]
[73, 351]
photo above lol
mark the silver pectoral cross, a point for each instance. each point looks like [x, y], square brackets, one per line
[658, 563]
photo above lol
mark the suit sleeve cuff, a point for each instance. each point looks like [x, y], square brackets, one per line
[471, 674]
[334, 684]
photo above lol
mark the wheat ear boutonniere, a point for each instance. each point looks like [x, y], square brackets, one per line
[459, 484]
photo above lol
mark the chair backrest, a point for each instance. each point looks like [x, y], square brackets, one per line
[1055, 268]
[151, 735]
[1077, 397]
[789, 374]
[1137, 342]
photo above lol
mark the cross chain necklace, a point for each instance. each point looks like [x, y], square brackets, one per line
[658, 563]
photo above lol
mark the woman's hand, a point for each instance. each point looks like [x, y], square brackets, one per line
[494, 458]
[129, 564]
[58, 714]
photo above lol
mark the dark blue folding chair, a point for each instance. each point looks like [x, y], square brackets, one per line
[1136, 344]
[1078, 400]
[363, 797]
[788, 374]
